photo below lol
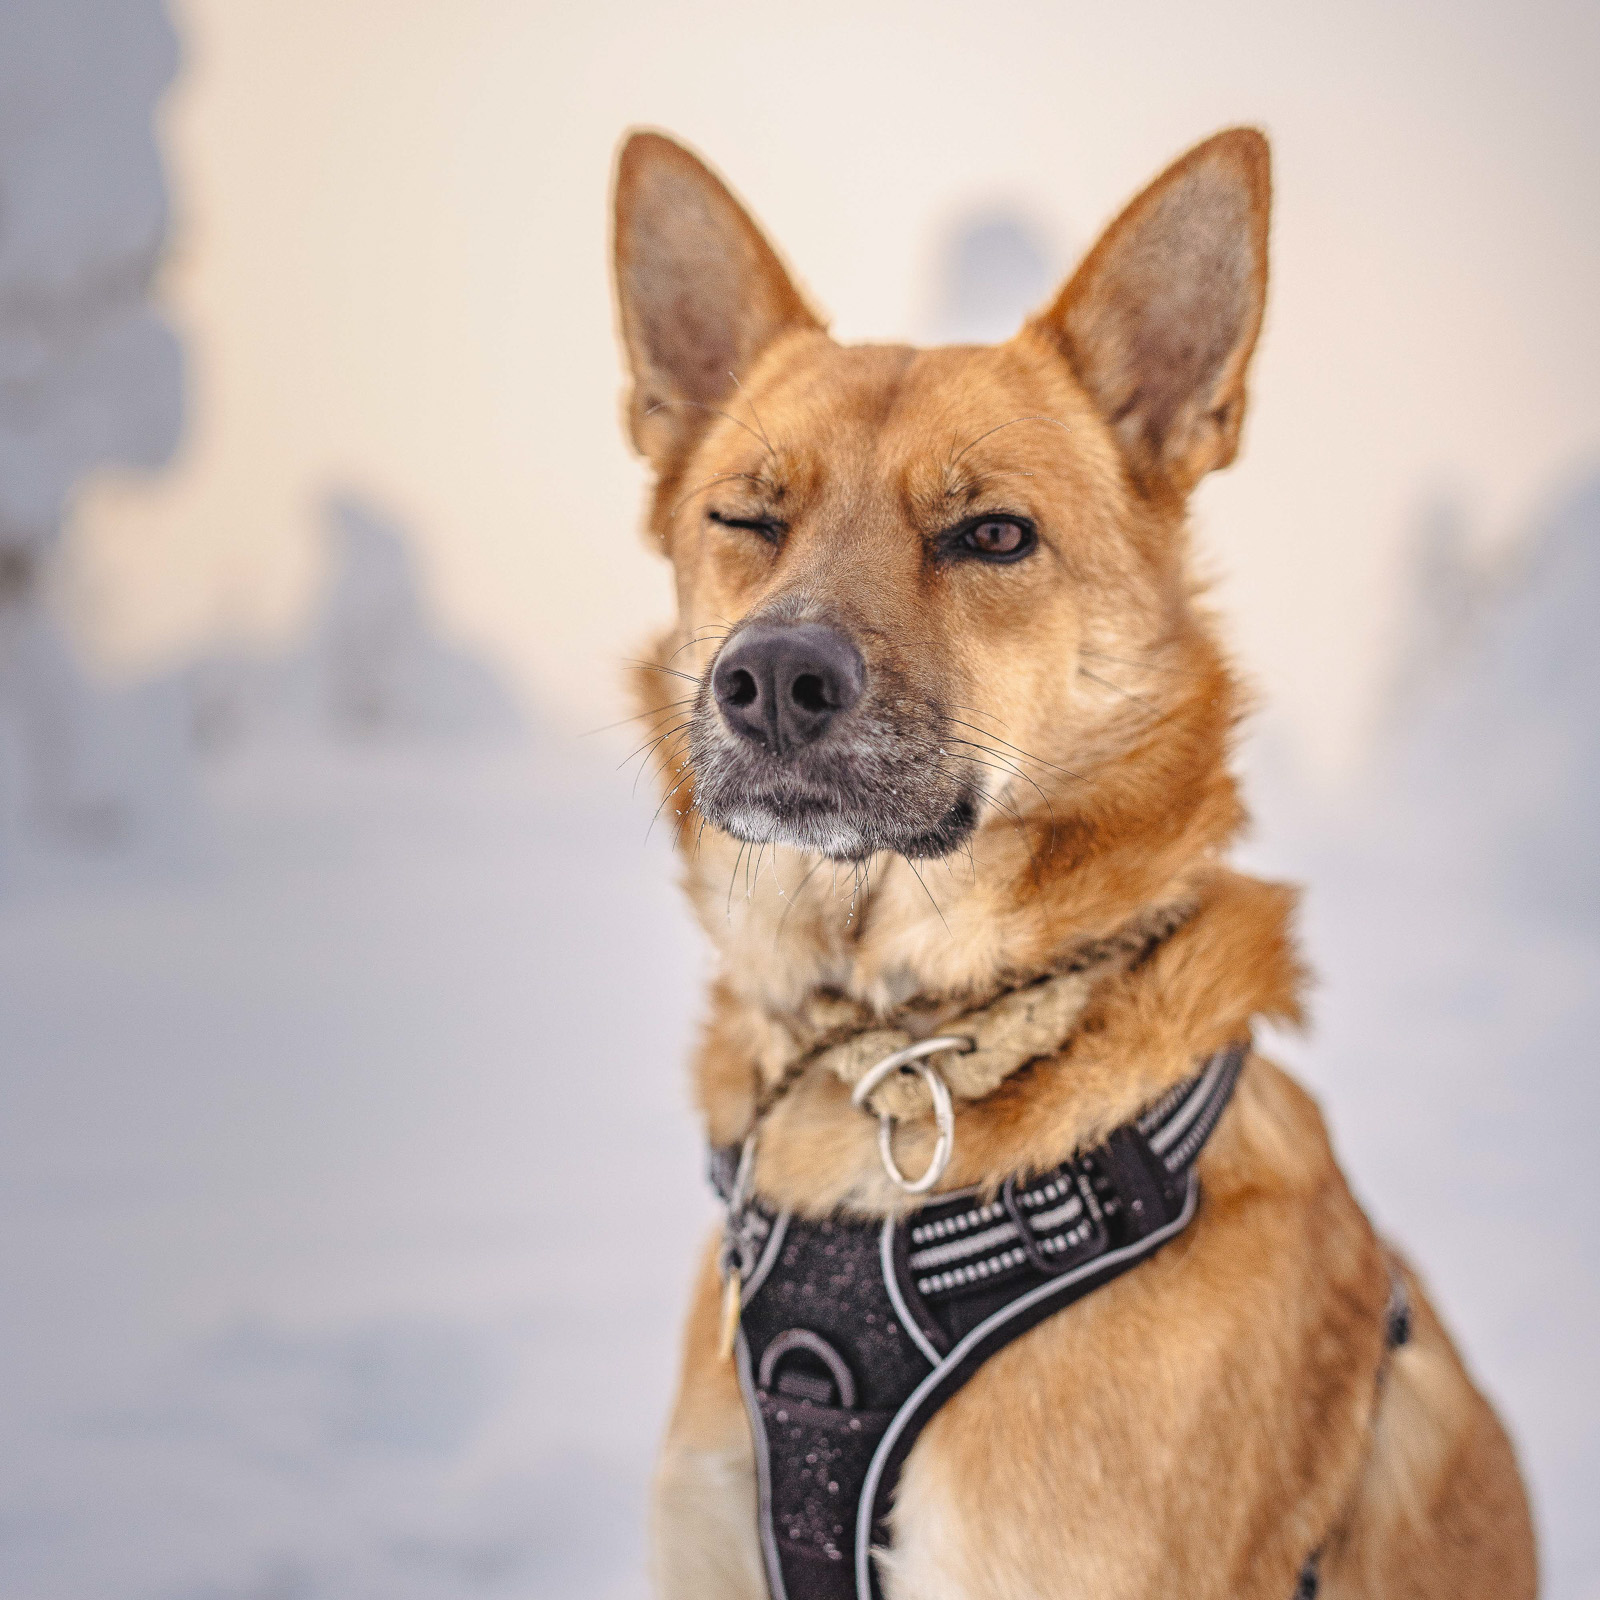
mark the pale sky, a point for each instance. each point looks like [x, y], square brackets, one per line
[389, 270]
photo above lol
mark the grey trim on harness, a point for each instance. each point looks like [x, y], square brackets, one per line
[1190, 1107]
[769, 1255]
[891, 1281]
[769, 1544]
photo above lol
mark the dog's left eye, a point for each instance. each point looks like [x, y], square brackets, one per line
[994, 538]
[768, 528]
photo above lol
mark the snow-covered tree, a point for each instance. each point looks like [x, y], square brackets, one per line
[90, 375]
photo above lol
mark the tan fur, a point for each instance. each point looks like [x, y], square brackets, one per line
[1205, 1422]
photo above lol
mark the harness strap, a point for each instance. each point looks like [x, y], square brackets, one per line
[852, 1334]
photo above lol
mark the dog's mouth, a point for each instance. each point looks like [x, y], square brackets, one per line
[840, 827]
[790, 745]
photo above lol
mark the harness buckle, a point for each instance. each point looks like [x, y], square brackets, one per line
[944, 1115]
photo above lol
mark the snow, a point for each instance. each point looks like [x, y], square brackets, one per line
[88, 372]
[349, 1191]
[89, 376]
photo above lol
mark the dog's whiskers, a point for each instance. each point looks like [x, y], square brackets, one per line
[728, 911]
[929, 892]
[639, 716]
[1014, 771]
[1139, 666]
[656, 666]
[1138, 699]
[716, 411]
[979, 712]
[772, 454]
[1007, 810]
[955, 460]
[651, 743]
[1026, 755]
[722, 477]
[699, 638]
[658, 748]
[793, 897]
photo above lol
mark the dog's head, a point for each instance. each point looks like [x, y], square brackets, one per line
[921, 588]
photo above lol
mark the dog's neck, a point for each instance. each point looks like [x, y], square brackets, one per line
[899, 939]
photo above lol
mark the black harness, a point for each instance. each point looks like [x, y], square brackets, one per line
[853, 1334]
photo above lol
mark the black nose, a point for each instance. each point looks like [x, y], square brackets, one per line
[782, 684]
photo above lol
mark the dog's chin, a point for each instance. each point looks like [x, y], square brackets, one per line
[846, 833]
[947, 835]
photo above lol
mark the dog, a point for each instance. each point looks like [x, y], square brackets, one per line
[944, 730]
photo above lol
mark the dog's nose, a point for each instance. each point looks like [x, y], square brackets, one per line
[781, 685]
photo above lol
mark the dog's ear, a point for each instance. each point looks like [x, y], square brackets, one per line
[700, 292]
[1160, 319]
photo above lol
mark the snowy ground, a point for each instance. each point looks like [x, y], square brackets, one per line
[348, 1189]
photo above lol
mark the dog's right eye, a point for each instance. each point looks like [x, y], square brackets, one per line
[994, 537]
[768, 528]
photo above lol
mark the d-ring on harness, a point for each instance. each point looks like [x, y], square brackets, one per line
[744, 1229]
[944, 1116]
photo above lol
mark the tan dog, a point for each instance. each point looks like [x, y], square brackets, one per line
[940, 706]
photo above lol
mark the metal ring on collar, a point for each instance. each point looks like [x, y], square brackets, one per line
[944, 1115]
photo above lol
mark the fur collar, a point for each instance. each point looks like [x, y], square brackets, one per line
[1140, 1032]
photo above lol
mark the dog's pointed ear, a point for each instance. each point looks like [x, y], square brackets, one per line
[700, 292]
[1160, 319]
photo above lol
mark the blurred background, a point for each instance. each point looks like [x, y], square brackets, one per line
[323, 926]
